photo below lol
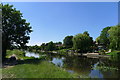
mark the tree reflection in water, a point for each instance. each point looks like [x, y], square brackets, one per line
[92, 67]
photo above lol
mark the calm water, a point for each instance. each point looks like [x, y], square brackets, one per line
[90, 67]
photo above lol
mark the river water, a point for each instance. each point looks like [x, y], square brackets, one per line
[84, 66]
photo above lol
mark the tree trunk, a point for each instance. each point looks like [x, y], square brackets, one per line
[3, 54]
[4, 48]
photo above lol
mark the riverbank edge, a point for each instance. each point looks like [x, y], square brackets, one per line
[43, 68]
[20, 61]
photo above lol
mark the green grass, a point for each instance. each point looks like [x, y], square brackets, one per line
[0, 73]
[114, 52]
[20, 54]
[115, 55]
[0, 70]
[63, 51]
[42, 70]
[30, 67]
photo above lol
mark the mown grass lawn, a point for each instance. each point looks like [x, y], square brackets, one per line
[42, 70]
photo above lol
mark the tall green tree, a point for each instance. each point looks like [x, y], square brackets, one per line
[104, 37]
[43, 45]
[82, 42]
[50, 46]
[15, 29]
[114, 37]
[98, 40]
[68, 41]
[86, 33]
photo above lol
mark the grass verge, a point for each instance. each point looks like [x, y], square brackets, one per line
[115, 55]
[19, 54]
[42, 70]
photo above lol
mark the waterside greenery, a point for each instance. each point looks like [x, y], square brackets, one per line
[115, 55]
[42, 69]
[19, 54]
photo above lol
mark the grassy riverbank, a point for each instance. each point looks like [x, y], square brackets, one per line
[115, 55]
[33, 68]
[43, 69]
[18, 53]
[114, 52]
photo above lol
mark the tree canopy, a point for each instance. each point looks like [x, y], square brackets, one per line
[86, 33]
[114, 37]
[50, 46]
[68, 43]
[104, 37]
[82, 42]
[15, 29]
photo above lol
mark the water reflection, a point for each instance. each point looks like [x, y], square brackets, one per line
[86, 66]
[92, 67]
[95, 73]
[58, 61]
[32, 54]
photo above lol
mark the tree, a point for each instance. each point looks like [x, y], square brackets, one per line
[114, 37]
[82, 42]
[104, 37]
[68, 42]
[15, 29]
[50, 46]
[98, 40]
[86, 33]
[36, 48]
[43, 46]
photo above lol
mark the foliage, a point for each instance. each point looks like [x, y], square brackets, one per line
[57, 43]
[86, 33]
[104, 36]
[41, 70]
[64, 51]
[102, 52]
[98, 40]
[15, 51]
[15, 29]
[50, 46]
[60, 47]
[114, 38]
[43, 46]
[36, 48]
[82, 42]
[68, 42]
[18, 53]
[115, 55]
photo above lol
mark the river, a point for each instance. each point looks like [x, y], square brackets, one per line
[84, 66]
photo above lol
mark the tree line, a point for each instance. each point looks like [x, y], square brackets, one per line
[110, 37]
[83, 42]
[16, 30]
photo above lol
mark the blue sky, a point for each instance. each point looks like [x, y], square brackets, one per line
[52, 21]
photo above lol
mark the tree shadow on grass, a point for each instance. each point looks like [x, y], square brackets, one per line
[30, 61]
[9, 62]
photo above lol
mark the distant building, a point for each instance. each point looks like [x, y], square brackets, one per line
[58, 45]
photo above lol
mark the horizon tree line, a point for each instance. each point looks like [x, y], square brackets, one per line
[16, 30]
